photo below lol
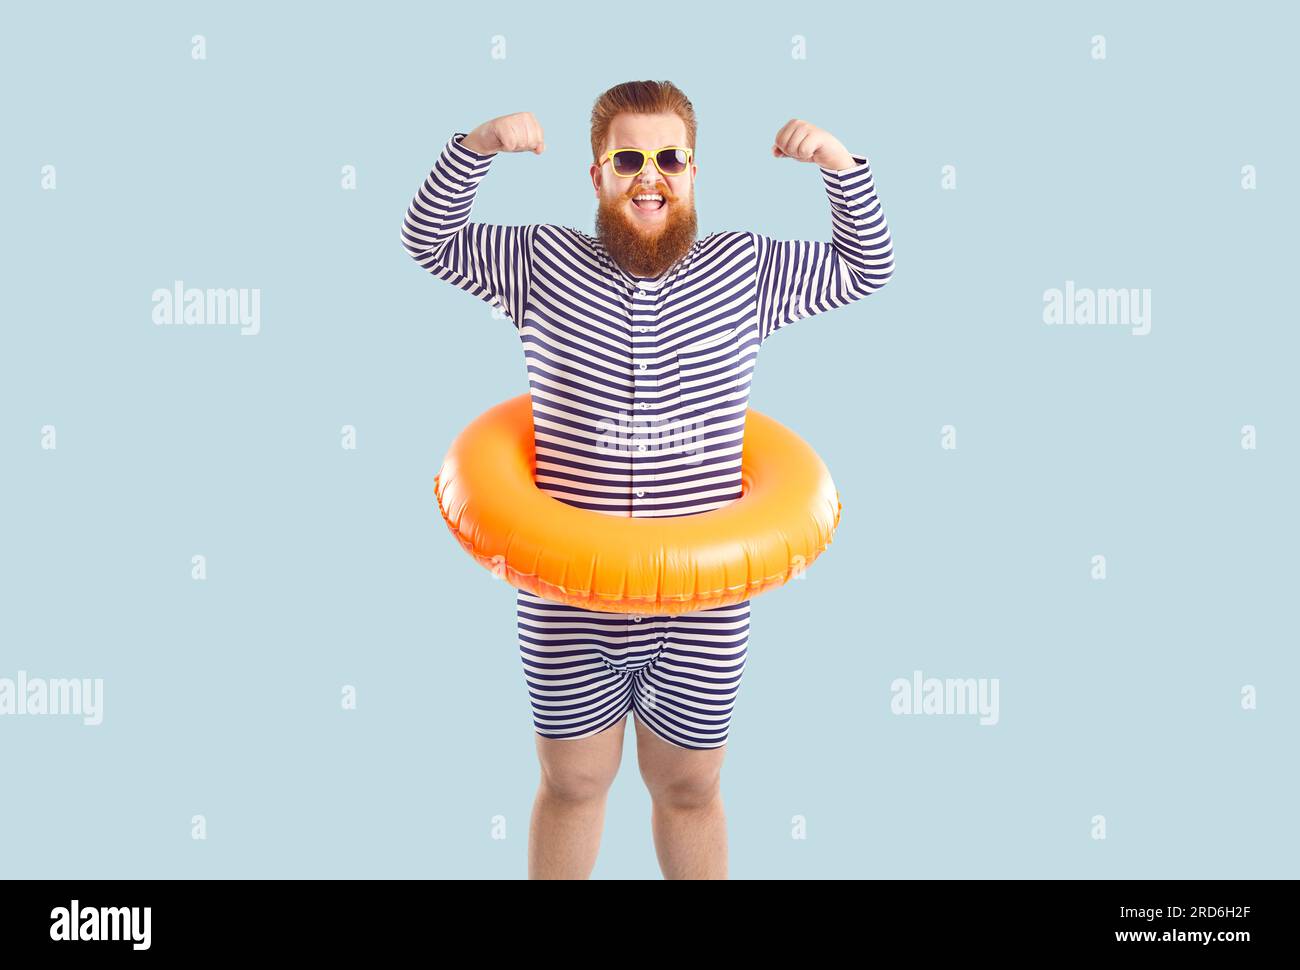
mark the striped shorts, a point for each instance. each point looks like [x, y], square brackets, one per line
[678, 674]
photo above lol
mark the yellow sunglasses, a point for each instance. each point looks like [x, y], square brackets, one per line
[628, 162]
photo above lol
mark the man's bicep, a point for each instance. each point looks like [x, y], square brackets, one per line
[797, 278]
[492, 262]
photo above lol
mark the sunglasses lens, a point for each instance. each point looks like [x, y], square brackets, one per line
[672, 161]
[628, 163]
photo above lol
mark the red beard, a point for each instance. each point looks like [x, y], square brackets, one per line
[643, 250]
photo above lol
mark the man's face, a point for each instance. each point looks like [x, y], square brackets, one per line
[645, 240]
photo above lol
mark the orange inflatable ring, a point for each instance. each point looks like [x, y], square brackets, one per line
[784, 519]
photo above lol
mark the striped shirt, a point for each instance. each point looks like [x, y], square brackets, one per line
[640, 385]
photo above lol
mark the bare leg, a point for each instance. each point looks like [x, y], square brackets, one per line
[569, 811]
[687, 818]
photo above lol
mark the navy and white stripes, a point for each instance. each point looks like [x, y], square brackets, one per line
[640, 385]
[586, 670]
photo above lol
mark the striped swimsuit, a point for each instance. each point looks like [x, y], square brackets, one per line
[639, 389]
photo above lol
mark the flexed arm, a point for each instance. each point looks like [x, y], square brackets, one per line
[799, 278]
[490, 261]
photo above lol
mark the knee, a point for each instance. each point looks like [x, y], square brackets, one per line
[576, 782]
[686, 789]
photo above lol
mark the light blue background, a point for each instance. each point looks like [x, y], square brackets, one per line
[329, 567]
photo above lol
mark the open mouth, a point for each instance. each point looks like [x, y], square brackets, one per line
[649, 201]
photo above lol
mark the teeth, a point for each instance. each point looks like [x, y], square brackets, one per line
[657, 198]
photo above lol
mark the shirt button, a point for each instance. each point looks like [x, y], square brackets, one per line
[644, 329]
[640, 447]
[643, 366]
[636, 619]
[640, 494]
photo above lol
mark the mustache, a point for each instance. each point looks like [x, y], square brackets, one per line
[662, 190]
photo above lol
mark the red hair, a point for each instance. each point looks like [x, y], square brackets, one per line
[639, 97]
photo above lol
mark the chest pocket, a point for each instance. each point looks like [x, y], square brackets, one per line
[707, 371]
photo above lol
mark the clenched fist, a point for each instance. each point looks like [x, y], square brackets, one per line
[806, 142]
[518, 132]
